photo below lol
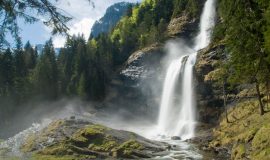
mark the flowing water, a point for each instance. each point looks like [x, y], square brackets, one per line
[177, 110]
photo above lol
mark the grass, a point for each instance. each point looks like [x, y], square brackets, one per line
[247, 134]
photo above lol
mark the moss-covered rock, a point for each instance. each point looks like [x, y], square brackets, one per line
[261, 142]
[53, 157]
[238, 151]
[76, 139]
[247, 133]
[209, 95]
[93, 134]
[127, 148]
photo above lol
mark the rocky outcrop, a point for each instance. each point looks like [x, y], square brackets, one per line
[137, 83]
[246, 135]
[112, 16]
[185, 25]
[80, 139]
[209, 96]
[143, 63]
[182, 26]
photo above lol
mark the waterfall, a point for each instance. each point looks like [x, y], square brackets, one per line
[177, 117]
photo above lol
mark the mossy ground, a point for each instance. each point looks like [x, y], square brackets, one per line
[247, 132]
[52, 157]
[90, 142]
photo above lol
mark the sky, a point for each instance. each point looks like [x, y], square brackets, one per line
[83, 14]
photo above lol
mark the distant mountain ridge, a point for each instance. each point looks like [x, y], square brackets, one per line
[111, 17]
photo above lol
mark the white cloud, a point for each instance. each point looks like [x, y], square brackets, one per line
[84, 16]
[81, 27]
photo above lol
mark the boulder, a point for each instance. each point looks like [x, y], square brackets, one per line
[69, 138]
[175, 138]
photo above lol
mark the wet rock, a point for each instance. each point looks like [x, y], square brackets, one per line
[163, 153]
[175, 138]
[84, 138]
[72, 117]
[135, 83]
[142, 63]
[208, 94]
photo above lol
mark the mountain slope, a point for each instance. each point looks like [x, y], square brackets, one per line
[109, 20]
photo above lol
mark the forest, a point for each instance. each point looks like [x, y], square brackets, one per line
[228, 87]
[83, 68]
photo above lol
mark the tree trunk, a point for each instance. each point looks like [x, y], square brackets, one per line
[225, 102]
[268, 93]
[259, 98]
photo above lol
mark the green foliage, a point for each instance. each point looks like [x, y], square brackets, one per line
[82, 68]
[12, 10]
[45, 77]
[267, 32]
[147, 24]
[7, 71]
[243, 28]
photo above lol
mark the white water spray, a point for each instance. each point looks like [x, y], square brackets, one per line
[177, 118]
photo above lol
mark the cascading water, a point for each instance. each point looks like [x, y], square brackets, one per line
[178, 118]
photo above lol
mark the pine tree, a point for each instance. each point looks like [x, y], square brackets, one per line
[7, 73]
[30, 56]
[46, 73]
[244, 38]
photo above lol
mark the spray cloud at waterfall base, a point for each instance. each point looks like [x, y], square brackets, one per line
[177, 108]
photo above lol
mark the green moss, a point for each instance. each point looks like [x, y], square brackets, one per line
[57, 149]
[247, 127]
[53, 157]
[247, 136]
[261, 140]
[29, 144]
[262, 155]
[4, 155]
[3, 151]
[33, 140]
[238, 151]
[90, 134]
[92, 140]
[54, 126]
[127, 148]
[10, 158]
[106, 146]
[131, 144]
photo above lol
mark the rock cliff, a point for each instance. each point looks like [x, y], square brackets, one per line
[209, 96]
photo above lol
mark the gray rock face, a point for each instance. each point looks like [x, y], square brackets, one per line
[182, 26]
[110, 19]
[209, 96]
[176, 138]
[143, 64]
[137, 85]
